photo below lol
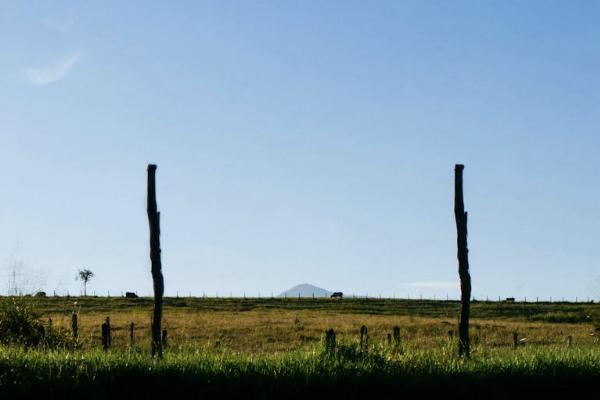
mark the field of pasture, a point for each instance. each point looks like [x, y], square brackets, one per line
[265, 325]
[266, 348]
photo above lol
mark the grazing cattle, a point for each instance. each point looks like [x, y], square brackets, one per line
[509, 300]
[337, 295]
[131, 295]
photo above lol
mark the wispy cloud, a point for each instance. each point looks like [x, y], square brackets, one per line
[52, 72]
[433, 284]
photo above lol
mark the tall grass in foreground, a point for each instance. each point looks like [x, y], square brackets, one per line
[347, 373]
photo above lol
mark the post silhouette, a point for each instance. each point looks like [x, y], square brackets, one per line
[74, 327]
[364, 338]
[131, 333]
[157, 276]
[463, 262]
[106, 334]
[164, 338]
[330, 342]
[396, 336]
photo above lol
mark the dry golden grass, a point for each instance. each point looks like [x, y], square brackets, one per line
[273, 330]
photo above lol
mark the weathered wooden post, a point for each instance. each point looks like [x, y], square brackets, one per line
[396, 335]
[164, 338]
[463, 262]
[157, 277]
[330, 341]
[364, 338]
[74, 327]
[515, 340]
[106, 336]
[131, 334]
[570, 341]
[109, 331]
[104, 330]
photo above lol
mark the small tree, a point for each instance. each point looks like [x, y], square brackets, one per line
[85, 275]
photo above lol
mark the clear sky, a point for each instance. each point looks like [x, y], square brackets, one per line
[302, 141]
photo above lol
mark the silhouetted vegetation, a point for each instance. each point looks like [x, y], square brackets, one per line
[20, 324]
[85, 275]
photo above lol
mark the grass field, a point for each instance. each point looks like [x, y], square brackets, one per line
[552, 373]
[272, 348]
[273, 325]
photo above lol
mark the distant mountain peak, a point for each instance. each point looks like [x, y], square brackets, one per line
[306, 290]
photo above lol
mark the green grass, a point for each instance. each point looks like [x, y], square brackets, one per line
[381, 373]
[532, 311]
[270, 348]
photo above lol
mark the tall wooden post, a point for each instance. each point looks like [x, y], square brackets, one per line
[157, 277]
[463, 262]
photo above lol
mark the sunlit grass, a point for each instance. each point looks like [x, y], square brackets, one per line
[263, 348]
[91, 369]
[276, 325]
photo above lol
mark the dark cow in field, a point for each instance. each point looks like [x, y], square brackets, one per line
[131, 295]
[337, 295]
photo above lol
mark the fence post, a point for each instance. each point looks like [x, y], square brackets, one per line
[515, 340]
[364, 338]
[330, 341]
[157, 276]
[74, 327]
[106, 336]
[396, 335]
[164, 338]
[463, 262]
[131, 333]
[569, 340]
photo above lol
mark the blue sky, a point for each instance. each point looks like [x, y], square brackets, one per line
[302, 142]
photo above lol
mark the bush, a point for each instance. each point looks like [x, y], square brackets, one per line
[20, 324]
